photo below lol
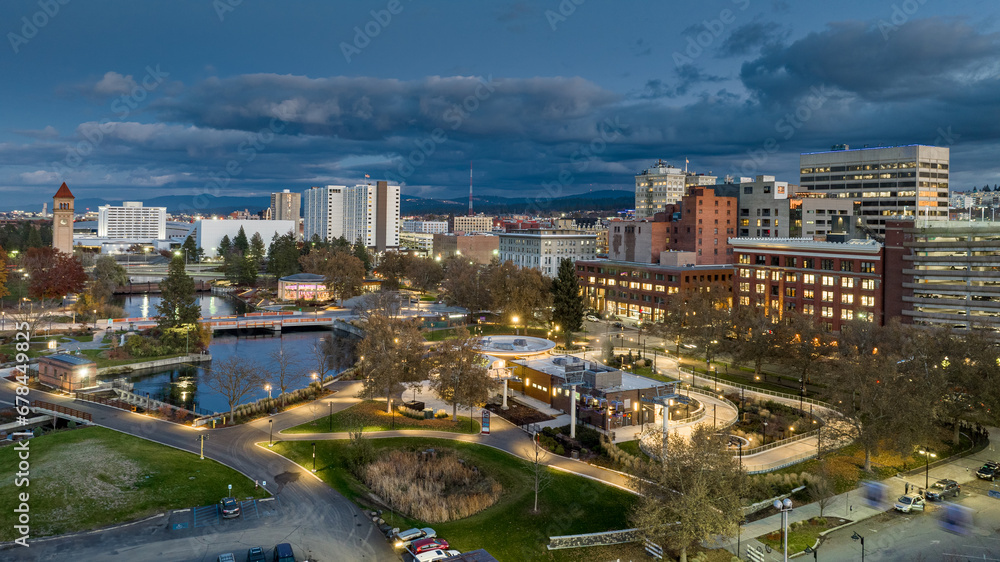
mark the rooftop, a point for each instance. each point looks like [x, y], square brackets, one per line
[310, 277]
[75, 360]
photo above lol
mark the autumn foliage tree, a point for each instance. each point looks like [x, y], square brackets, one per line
[52, 273]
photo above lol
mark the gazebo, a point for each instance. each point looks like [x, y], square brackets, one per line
[303, 286]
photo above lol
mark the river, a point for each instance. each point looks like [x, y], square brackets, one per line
[182, 384]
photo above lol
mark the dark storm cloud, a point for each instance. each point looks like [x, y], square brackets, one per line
[921, 58]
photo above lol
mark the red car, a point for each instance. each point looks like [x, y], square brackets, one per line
[424, 545]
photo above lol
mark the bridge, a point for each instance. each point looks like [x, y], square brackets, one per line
[273, 321]
[153, 287]
[59, 411]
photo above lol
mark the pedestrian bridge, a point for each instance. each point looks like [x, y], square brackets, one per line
[272, 321]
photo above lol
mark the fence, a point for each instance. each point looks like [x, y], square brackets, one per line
[774, 393]
[50, 407]
[112, 402]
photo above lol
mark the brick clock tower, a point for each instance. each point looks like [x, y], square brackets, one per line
[62, 220]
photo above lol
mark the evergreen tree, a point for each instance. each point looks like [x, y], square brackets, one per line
[177, 305]
[33, 239]
[224, 246]
[283, 256]
[362, 254]
[567, 302]
[241, 243]
[257, 250]
[191, 249]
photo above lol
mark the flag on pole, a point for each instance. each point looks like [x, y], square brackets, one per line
[367, 176]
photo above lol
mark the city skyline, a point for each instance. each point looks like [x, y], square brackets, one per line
[541, 96]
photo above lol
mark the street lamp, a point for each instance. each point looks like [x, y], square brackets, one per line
[270, 435]
[765, 433]
[314, 456]
[856, 537]
[784, 507]
[267, 387]
[95, 318]
[715, 375]
[515, 319]
[927, 465]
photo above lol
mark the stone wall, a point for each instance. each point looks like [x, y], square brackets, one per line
[593, 539]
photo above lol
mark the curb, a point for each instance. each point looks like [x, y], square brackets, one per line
[6, 545]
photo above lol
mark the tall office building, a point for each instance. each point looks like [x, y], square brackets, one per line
[892, 181]
[369, 213]
[285, 206]
[661, 185]
[132, 220]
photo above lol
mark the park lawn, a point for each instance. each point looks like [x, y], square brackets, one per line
[509, 530]
[632, 448]
[801, 536]
[92, 477]
[440, 335]
[95, 354]
[375, 418]
[83, 338]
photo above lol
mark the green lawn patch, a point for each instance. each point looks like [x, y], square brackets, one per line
[93, 477]
[801, 534]
[375, 418]
[441, 335]
[508, 530]
[632, 448]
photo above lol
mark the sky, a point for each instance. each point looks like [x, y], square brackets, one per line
[128, 100]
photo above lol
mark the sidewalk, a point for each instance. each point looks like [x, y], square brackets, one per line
[852, 505]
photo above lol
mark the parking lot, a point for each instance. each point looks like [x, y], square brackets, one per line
[211, 515]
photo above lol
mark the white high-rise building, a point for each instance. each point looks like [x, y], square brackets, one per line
[426, 227]
[369, 213]
[132, 220]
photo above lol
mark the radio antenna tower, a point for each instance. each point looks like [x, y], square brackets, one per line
[470, 188]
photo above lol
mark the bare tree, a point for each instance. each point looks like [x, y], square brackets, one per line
[541, 478]
[234, 378]
[394, 355]
[821, 490]
[696, 493]
[287, 371]
[462, 375]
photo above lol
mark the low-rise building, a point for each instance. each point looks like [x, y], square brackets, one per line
[472, 224]
[640, 291]
[833, 281]
[480, 248]
[543, 249]
[67, 372]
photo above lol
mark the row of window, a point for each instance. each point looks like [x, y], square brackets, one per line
[807, 263]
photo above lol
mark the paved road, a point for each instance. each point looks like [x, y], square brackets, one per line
[315, 519]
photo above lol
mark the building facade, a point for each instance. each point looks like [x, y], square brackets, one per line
[369, 213]
[209, 233]
[835, 282]
[132, 220]
[472, 224]
[416, 243]
[62, 220]
[890, 181]
[943, 273]
[480, 248]
[639, 291]
[656, 187]
[426, 227]
[637, 241]
[828, 215]
[285, 206]
[67, 372]
[702, 224]
[543, 249]
[764, 208]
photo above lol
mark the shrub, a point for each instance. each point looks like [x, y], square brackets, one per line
[410, 413]
[819, 521]
[560, 450]
[441, 414]
[435, 490]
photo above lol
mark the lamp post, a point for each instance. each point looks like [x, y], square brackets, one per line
[857, 537]
[267, 387]
[270, 435]
[95, 318]
[784, 507]
[811, 550]
[765, 433]
[516, 331]
[927, 465]
[715, 375]
[314, 456]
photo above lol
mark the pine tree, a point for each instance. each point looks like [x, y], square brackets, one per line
[567, 302]
[224, 246]
[241, 243]
[177, 305]
[361, 252]
[257, 250]
[283, 256]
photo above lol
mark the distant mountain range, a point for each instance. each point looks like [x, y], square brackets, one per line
[601, 200]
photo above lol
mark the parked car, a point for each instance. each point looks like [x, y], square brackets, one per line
[283, 553]
[230, 507]
[425, 544]
[432, 555]
[909, 502]
[227, 557]
[593, 318]
[403, 539]
[618, 325]
[942, 489]
[989, 471]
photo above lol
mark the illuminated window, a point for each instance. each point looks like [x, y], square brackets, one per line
[828, 281]
[809, 279]
[827, 296]
[868, 284]
[847, 282]
[867, 301]
[846, 298]
[827, 312]
[846, 314]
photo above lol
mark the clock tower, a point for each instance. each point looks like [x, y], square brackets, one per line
[62, 220]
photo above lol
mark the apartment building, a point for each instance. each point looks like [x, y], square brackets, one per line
[545, 248]
[132, 220]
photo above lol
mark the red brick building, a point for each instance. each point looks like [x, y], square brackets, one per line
[67, 372]
[703, 223]
[639, 290]
[833, 281]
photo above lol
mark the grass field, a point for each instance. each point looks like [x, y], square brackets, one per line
[508, 530]
[93, 477]
[375, 418]
[802, 535]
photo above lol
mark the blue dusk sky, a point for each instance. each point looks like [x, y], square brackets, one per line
[131, 100]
